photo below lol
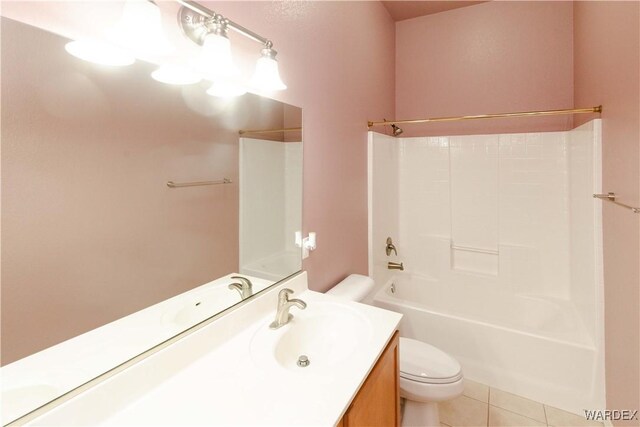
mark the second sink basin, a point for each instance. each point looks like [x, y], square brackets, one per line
[327, 333]
[194, 307]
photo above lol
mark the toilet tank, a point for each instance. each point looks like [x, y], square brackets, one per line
[354, 288]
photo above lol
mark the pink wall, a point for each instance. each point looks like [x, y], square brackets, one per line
[337, 59]
[607, 71]
[488, 58]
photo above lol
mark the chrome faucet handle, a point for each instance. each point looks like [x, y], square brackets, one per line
[283, 296]
[390, 247]
[245, 282]
[244, 293]
[244, 288]
[284, 304]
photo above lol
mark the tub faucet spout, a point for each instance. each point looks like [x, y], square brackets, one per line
[395, 266]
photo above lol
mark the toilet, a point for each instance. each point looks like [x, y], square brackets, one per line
[428, 375]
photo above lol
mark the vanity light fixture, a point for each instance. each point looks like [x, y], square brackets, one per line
[267, 77]
[137, 33]
[209, 29]
[140, 29]
[215, 57]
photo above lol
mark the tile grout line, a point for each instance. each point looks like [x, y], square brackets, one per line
[546, 419]
[517, 413]
[488, 404]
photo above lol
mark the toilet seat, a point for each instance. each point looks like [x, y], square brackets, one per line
[425, 363]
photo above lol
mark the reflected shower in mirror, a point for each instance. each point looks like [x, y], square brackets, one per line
[130, 206]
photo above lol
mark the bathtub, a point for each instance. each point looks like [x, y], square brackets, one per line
[530, 346]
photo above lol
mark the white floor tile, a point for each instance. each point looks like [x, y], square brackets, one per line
[517, 404]
[463, 412]
[559, 418]
[502, 418]
[476, 391]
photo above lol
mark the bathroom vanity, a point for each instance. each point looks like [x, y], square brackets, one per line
[234, 363]
[378, 400]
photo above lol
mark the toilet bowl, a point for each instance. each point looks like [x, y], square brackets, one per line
[428, 375]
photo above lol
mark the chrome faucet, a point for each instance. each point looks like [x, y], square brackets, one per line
[244, 288]
[395, 266]
[284, 304]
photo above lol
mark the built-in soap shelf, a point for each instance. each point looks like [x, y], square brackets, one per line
[475, 259]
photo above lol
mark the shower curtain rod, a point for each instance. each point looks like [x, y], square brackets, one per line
[597, 109]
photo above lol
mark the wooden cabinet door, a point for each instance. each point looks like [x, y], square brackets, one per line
[377, 403]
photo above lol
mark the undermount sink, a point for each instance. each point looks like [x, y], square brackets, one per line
[327, 333]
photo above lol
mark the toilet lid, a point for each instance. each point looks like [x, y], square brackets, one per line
[425, 363]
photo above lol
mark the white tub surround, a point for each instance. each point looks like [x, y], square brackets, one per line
[270, 201]
[221, 375]
[501, 242]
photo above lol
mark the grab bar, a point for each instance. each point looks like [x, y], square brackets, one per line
[172, 184]
[611, 197]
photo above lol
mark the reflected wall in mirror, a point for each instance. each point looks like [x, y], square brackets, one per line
[91, 232]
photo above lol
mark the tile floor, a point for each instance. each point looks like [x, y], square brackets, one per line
[481, 405]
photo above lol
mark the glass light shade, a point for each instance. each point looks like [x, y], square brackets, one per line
[226, 89]
[140, 29]
[174, 75]
[267, 77]
[215, 58]
[99, 53]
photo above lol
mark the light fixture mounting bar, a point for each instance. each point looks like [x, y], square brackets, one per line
[188, 20]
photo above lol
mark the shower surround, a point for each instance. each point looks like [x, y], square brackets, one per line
[501, 242]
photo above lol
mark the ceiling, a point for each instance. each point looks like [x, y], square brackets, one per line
[401, 10]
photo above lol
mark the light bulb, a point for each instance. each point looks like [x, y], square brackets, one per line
[174, 75]
[267, 77]
[215, 59]
[140, 29]
[99, 53]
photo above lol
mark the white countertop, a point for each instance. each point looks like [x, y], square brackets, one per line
[37, 379]
[211, 377]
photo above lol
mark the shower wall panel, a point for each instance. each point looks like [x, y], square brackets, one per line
[383, 154]
[534, 215]
[513, 213]
[474, 171]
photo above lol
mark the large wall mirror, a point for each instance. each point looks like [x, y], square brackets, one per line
[132, 203]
